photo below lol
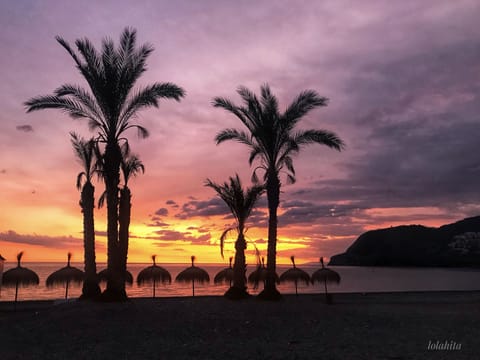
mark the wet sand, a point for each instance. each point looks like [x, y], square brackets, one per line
[356, 326]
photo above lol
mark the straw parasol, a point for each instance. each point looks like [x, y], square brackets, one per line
[295, 275]
[225, 275]
[65, 275]
[103, 276]
[154, 274]
[193, 273]
[260, 274]
[19, 276]
[326, 275]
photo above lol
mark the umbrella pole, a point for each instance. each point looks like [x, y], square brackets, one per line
[66, 290]
[326, 292]
[193, 287]
[154, 288]
[296, 290]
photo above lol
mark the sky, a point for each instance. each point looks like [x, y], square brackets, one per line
[402, 78]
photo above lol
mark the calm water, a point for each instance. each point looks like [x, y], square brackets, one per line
[354, 279]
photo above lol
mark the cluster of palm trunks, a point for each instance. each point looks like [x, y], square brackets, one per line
[156, 274]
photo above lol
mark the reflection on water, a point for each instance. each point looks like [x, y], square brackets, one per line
[354, 279]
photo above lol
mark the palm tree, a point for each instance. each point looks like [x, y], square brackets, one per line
[131, 165]
[109, 106]
[85, 152]
[272, 138]
[241, 204]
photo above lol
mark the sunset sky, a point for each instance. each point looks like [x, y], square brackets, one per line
[403, 79]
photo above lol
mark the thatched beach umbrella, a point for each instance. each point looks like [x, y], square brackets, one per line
[225, 275]
[65, 275]
[19, 276]
[103, 276]
[260, 275]
[192, 274]
[154, 274]
[295, 275]
[326, 275]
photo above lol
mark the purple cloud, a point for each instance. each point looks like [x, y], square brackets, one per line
[162, 212]
[24, 128]
[64, 242]
[172, 235]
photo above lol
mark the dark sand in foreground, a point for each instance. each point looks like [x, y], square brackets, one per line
[372, 326]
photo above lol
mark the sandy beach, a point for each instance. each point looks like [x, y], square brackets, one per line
[357, 326]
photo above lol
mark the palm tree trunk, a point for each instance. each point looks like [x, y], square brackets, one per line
[90, 289]
[239, 288]
[273, 196]
[115, 290]
[124, 225]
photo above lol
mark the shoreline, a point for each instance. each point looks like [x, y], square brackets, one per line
[378, 297]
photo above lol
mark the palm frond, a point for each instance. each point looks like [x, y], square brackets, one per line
[142, 132]
[223, 238]
[287, 160]
[85, 153]
[254, 153]
[131, 164]
[94, 65]
[253, 112]
[269, 101]
[71, 107]
[323, 137]
[239, 201]
[228, 105]
[234, 134]
[80, 176]
[102, 199]
[291, 179]
[254, 177]
[80, 95]
[306, 101]
[149, 96]
[251, 197]
[127, 41]
[69, 49]
[99, 166]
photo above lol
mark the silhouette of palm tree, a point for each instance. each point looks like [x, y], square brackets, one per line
[272, 138]
[241, 204]
[131, 165]
[85, 153]
[109, 106]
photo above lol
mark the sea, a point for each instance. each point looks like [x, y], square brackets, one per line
[353, 279]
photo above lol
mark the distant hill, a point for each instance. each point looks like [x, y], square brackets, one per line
[456, 244]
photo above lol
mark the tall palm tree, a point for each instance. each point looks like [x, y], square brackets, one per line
[109, 106]
[241, 204]
[131, 165]
[273, 139]
[85, 152]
